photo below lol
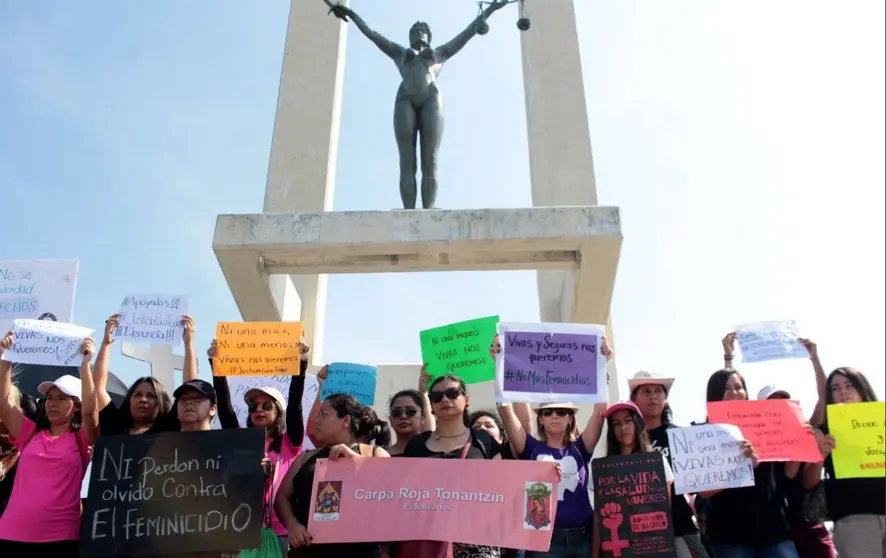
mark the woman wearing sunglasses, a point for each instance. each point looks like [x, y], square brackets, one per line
[410, 413]
[285, 429]
[560, 441]
[452, 438]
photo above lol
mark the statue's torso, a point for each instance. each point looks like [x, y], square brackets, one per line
[419, 70]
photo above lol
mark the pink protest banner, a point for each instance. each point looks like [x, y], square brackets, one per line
[483, 502]
[775, 427]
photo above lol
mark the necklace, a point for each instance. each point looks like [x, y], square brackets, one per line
[459, 435]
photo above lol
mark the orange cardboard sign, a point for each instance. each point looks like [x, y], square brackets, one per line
[775, 427]
[258, 349]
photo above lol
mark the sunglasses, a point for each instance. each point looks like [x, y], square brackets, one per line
[452, 394]
[267, 407]
[558, 412]
[408, 412]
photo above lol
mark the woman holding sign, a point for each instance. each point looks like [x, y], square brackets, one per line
[42, 518]
[147, 406]
[560, 441]
[747, 522]
[341, 421]
[856, 503]
[282, 422]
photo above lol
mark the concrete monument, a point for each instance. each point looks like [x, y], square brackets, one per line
[276, 262]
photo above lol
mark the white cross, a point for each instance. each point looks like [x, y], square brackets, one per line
[163, 361]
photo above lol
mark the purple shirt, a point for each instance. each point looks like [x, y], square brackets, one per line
[573, 504]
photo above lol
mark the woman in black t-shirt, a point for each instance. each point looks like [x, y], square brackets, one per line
[341, 421]
[451, 439]
[747, 522]
[147, 406]
[857, 506]
[649, 392]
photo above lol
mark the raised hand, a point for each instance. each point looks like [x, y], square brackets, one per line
[111, 325]
[424, 379]
[7, 342]
[303, 350]
[495, 347]
[494, 6]
[87, 349]
[605, 349]
[212, 351]
[188, 334]
[810, 346]
[323, 374]
[729, 344]
[339, 11]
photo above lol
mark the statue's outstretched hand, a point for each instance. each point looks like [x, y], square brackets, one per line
[494, 6]
[339, 11]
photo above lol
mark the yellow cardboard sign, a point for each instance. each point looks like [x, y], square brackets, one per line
[258, 349]
[858, 430]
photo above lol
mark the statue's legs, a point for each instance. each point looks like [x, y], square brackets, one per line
[406, 133]
[430, 126]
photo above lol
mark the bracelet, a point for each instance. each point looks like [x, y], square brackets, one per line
[727, 357]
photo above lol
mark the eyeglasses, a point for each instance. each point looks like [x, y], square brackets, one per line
[452, 394]
[267, 407]
[408, 412]
[558, 412]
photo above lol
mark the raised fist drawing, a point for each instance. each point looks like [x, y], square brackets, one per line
[612, 516]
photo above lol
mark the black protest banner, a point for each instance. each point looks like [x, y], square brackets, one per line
[633, 511]
[175, 492]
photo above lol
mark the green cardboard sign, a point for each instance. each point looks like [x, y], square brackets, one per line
[461, 349]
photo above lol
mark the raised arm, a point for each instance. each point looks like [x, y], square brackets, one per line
[389, 47]
[821, 381]
[227, 416]
[594, 428]
[102, 367]
[295, 423]
[10, 409]
[190, 370]
[428, 422]
[450, 49]
[88, 403]
[311, 427]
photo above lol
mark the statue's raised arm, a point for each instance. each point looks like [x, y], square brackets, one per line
[389, 47]
[478, 25]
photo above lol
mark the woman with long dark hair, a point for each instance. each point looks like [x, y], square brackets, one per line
[42, 518]
[341, 422]
[281, 418]
[857, 506]
[147, 406]
[747, 522]
[410, 413]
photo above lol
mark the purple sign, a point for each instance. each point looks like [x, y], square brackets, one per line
[550, 362]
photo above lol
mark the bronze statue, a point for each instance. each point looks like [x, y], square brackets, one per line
[418, 108]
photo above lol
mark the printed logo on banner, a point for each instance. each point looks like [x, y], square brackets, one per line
[538, 506]
[328, 504]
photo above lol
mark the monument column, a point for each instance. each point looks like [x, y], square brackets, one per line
[561, 162]
[304, 149]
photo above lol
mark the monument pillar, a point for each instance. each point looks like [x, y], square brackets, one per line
[304, 149]
[164, 362]
[561, 162]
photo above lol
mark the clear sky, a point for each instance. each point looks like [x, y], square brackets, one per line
[744, 145]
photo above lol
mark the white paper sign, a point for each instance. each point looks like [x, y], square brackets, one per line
[550, 362]
[152, 318]
[46, 342]
[37, 288]
[764, 341]
[709, 457]
[240, 385]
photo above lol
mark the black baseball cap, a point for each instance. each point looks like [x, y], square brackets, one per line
[201, 386]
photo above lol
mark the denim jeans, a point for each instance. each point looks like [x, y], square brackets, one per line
[574, 542]
[783, 550]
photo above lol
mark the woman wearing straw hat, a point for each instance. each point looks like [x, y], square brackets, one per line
[649, 392]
